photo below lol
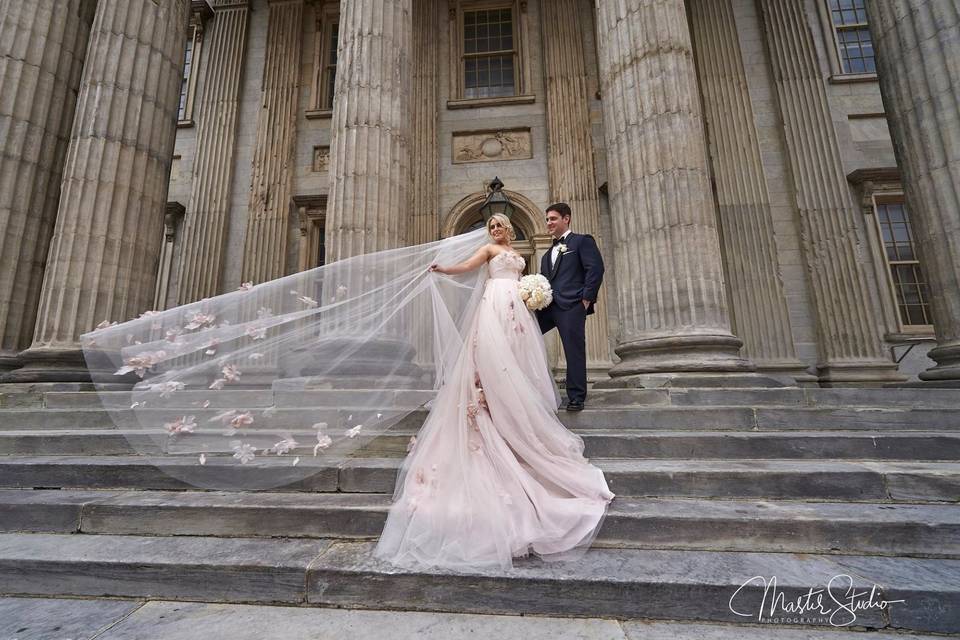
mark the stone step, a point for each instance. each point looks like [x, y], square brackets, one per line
[622, 443]
[862, 481]
[681, 586]
[788, 479]
[48, 397]
[692, 418]
[661, 523]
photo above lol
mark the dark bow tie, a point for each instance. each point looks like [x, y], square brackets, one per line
[557, 241]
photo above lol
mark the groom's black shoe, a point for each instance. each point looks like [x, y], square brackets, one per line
[574, 406]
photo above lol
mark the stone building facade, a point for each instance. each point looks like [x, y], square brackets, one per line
[734, 159]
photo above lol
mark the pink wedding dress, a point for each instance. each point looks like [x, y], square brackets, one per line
[493, 474]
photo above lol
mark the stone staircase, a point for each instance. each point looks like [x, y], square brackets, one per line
[714, 486]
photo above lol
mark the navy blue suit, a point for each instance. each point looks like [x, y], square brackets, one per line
[575, 276]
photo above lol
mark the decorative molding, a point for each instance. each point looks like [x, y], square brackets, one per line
[172, 216]
[463, 214]
[879, 174]
[492, 146]
[479, 103]
[321, 158]
[311, 212]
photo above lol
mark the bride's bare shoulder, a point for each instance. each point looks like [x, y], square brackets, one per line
[498, 251]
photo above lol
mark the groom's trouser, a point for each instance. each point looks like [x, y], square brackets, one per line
[571, 325]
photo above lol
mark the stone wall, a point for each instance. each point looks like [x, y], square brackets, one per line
[855, 108]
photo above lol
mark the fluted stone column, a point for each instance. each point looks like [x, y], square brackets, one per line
[42, 47]
[673, 307]
[758, 303]
[204, 231]
[570, 147]
[271, 181]
[425, 190]
[370, 143]
[848, 323]
[918, 62]
[102, 262]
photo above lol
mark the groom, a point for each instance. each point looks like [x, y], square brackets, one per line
[575, 271]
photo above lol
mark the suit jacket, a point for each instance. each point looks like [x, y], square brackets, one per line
[577, 273]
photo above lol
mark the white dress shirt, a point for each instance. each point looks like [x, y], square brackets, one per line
[556, 249]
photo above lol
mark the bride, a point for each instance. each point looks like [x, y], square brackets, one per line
[493, 475]
[347, 350]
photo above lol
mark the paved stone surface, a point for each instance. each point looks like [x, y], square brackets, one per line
[86, 619]
[59, 618]
[647, 630]
[188, 621]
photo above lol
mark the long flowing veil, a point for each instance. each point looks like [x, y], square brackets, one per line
[277, 384]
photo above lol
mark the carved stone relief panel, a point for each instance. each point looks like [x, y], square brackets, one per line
[321, 159]
[491, 146]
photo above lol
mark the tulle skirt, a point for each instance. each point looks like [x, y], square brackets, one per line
[493, 474]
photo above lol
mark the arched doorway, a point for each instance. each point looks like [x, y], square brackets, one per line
[532, 237]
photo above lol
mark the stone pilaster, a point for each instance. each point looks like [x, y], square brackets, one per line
[370, 145]
[425, 191]
[848, 324]
[758, 304]
[570, 146]
[42, 47]
[918, 49]
[271, 181]
[670, 290]
[102, 262]
[204, 230]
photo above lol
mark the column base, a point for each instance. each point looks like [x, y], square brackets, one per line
[859, 374]
[716, 353]
[9, 360]
[790, 372]
[685, 380]
[947, 372]
[44, 364]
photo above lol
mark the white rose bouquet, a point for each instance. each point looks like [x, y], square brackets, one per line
[535, 292]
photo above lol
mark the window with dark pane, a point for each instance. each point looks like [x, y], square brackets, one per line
[185, 81]
[331, 64]
[912, 291]
[489, 56]
[853, 36]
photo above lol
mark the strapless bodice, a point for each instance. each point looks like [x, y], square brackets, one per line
[506, 265]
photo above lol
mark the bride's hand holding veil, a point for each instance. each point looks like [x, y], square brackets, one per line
[470, 264]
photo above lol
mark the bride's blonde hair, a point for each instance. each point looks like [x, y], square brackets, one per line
[505, 221]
